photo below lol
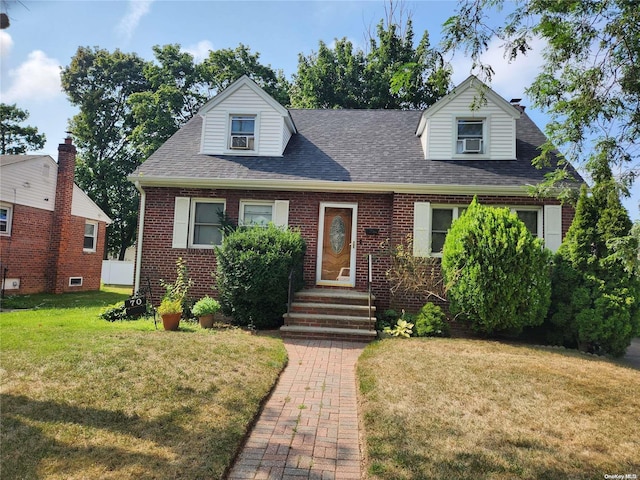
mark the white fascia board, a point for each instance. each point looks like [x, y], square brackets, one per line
[326, 186]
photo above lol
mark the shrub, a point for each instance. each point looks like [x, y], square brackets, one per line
[497, 273]
[431, 322]
[254, 264]
[205, 306]
[596, 287]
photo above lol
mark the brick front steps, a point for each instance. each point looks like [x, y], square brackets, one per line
[333, 314]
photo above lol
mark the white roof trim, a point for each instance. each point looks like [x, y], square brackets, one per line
[471, 82]
[328, 186]
[245, 81]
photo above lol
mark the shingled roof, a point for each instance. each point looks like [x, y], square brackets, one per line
[344, 148]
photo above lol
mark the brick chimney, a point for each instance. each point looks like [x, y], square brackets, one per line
[62, 228]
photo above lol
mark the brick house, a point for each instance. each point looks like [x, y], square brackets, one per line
[347, 179]
[52, 234]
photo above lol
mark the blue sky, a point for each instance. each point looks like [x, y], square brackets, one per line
[44, 35]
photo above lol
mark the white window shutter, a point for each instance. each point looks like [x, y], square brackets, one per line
[281, 213]
[421, 228]
[552, 226]
[181, 223]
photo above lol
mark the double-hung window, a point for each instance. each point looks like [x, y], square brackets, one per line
[470, 136]
[90, 236]
[256, 213]
[441, 220]
[531, 218]
[243, 128]
[6, 214]
[206, 226]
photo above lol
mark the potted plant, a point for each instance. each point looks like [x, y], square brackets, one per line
[170, 310]
[173, 301]
[205, 309]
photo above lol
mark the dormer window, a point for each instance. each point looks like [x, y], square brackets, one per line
[470, 136]
[242, 132]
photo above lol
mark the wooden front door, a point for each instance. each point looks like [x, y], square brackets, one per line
[337, 244]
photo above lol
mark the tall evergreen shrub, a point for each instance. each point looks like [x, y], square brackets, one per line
[497, 273]
[253, 273]
[596, 288]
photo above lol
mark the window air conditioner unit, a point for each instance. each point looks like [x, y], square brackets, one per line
[240, 142]
[472, 145]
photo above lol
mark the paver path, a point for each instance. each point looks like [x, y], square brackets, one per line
[309, 426]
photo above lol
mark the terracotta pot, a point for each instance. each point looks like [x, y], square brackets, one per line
[206, 321]
[171, 321]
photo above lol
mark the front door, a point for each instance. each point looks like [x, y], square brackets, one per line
[337, 244]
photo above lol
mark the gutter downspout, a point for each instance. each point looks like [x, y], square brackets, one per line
[143, 197]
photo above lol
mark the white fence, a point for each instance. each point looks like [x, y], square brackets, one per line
[115, 272]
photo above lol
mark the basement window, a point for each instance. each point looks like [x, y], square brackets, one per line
[75, 281]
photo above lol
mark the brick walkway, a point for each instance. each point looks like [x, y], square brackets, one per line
[309, 426]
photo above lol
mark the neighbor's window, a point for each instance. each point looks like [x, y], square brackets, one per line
[256, 213]
[6, 212]
[441, 220]
[206, 225]
[470, 136]
[242, 132]
[90, 236]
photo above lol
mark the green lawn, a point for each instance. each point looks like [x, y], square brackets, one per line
[84, 398]
[472, 409]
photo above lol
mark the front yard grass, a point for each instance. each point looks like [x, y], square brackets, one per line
[85, 398]
[471, 409]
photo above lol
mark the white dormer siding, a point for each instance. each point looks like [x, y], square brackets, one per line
[273, 126]
[438, 129]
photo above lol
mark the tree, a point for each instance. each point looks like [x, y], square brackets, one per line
[100, 83]
[15, 138]
[589, 83]
[596, 284]
[393, 74]
[496, 271]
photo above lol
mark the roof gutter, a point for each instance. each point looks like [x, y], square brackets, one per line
[329, 186]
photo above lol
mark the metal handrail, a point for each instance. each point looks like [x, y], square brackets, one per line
[369, 281]
[290, 293]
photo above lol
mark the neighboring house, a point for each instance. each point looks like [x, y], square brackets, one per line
[347, 179]
[52, 234]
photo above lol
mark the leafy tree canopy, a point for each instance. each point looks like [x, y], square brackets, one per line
[100, 83]
[393, 74]
[590, 80]
[16, 138]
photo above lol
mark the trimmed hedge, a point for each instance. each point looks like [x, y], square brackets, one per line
[254, 264]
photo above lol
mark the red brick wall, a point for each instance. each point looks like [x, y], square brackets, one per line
[391, 214]
[26, 252]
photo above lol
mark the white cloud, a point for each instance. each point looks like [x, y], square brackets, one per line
[6, 44]
[36, 79]
[510, 78]
[135, 11]
[200, 50]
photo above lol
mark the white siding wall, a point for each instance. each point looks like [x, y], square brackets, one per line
[30, 182]
[269, 124]
[441, 128]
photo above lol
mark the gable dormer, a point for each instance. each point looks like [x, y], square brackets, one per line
[471, 123]
[244, 120]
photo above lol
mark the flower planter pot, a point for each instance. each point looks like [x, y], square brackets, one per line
[206, 321]
[171, 321]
